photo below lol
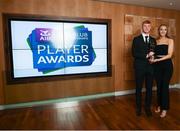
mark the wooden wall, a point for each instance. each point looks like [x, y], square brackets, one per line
[75, 87]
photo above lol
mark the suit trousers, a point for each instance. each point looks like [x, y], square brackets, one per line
[141, 75]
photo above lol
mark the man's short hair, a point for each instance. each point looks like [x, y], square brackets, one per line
[146, 22]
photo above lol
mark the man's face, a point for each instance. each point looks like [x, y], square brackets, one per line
[146, 28]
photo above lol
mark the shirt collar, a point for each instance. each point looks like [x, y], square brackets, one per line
[143, 34]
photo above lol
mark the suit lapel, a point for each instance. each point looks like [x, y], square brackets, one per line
[142, 39]
[144, 45]
[151, 39]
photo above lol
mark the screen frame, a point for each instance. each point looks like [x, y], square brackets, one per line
[9, 71]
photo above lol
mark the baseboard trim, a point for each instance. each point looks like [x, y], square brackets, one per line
[64, 102]
[176, 86]
[127, 92]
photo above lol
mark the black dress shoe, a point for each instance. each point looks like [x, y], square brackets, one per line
[148, 112]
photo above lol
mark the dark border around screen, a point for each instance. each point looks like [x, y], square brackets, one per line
[24, 17]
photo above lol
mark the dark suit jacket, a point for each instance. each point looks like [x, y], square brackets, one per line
[139, 52]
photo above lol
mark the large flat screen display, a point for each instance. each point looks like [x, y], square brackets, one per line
[57, 47]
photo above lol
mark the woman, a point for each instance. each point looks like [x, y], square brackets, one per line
[163, 69]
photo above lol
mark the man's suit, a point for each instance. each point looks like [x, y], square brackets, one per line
[143, 70]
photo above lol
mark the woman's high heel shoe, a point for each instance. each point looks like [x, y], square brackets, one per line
[163, 114]
[157, 110]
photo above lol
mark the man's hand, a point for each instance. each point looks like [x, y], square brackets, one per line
[150, 54]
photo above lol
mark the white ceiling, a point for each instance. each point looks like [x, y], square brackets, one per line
[166, 4]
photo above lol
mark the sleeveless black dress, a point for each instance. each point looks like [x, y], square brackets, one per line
[163, 71]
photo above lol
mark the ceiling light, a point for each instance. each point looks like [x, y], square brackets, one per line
[170, 3]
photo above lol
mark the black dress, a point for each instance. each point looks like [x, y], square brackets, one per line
[163, 71]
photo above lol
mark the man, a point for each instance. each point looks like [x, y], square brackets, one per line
[143, 67]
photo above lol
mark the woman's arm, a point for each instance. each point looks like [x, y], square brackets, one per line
[170, 52]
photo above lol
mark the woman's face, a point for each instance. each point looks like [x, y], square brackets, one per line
[163, 31]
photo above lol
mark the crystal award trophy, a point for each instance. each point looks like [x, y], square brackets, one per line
[151, 48]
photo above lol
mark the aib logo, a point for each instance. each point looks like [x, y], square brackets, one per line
[43, 34]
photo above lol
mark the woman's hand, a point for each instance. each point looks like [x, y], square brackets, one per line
[153, 60]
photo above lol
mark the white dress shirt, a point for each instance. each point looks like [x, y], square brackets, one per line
[143, 34]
